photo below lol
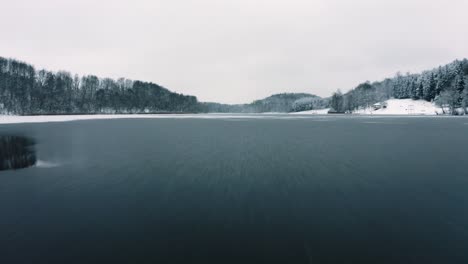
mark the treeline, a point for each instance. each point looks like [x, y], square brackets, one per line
[284, 102]
[310, 103]
[447, 86]
[25, 91]
[280, 103]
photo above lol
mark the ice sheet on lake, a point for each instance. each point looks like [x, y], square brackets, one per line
[9, 119]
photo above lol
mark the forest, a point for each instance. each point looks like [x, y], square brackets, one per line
[446, 86]
[277, 103]
[26, 91]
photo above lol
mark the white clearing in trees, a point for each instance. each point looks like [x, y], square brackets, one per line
[404, 107]
[394, 107]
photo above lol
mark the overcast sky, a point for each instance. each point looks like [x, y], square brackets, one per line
[235, 51]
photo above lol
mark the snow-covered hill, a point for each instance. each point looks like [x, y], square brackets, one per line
[394, 107]
[403, 107]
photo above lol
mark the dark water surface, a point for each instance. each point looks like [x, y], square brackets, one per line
[313, 190]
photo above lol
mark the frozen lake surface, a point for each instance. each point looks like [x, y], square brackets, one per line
[239, 189]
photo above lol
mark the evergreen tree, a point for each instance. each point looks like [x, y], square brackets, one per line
[336, 103]
[420, 91]
[460, 83]
[459, 86]
[414, 90]
[465, 99]
[441, 81]
[430, 91]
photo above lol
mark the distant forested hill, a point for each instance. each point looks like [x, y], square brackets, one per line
[284, 102]
[24, 90]
[281, 103]
[446, 86]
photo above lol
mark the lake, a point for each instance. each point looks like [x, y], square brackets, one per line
[269, 189]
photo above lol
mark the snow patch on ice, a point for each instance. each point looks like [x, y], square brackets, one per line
[8, 119]
[313, 112]
[46, 164]
[384, 123]
[368, 122]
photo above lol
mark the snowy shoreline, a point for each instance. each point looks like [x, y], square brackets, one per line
[11, 119]
[5, 120]
[400, 107]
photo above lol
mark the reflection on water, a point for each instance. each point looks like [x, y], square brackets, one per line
[16, 152]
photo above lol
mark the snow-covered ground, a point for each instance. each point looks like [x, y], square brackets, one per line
[394, 107]
[313, 112]
[11, 119]
[403, 107]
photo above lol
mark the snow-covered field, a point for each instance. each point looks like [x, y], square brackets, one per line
[404, 107]
[394, 107]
